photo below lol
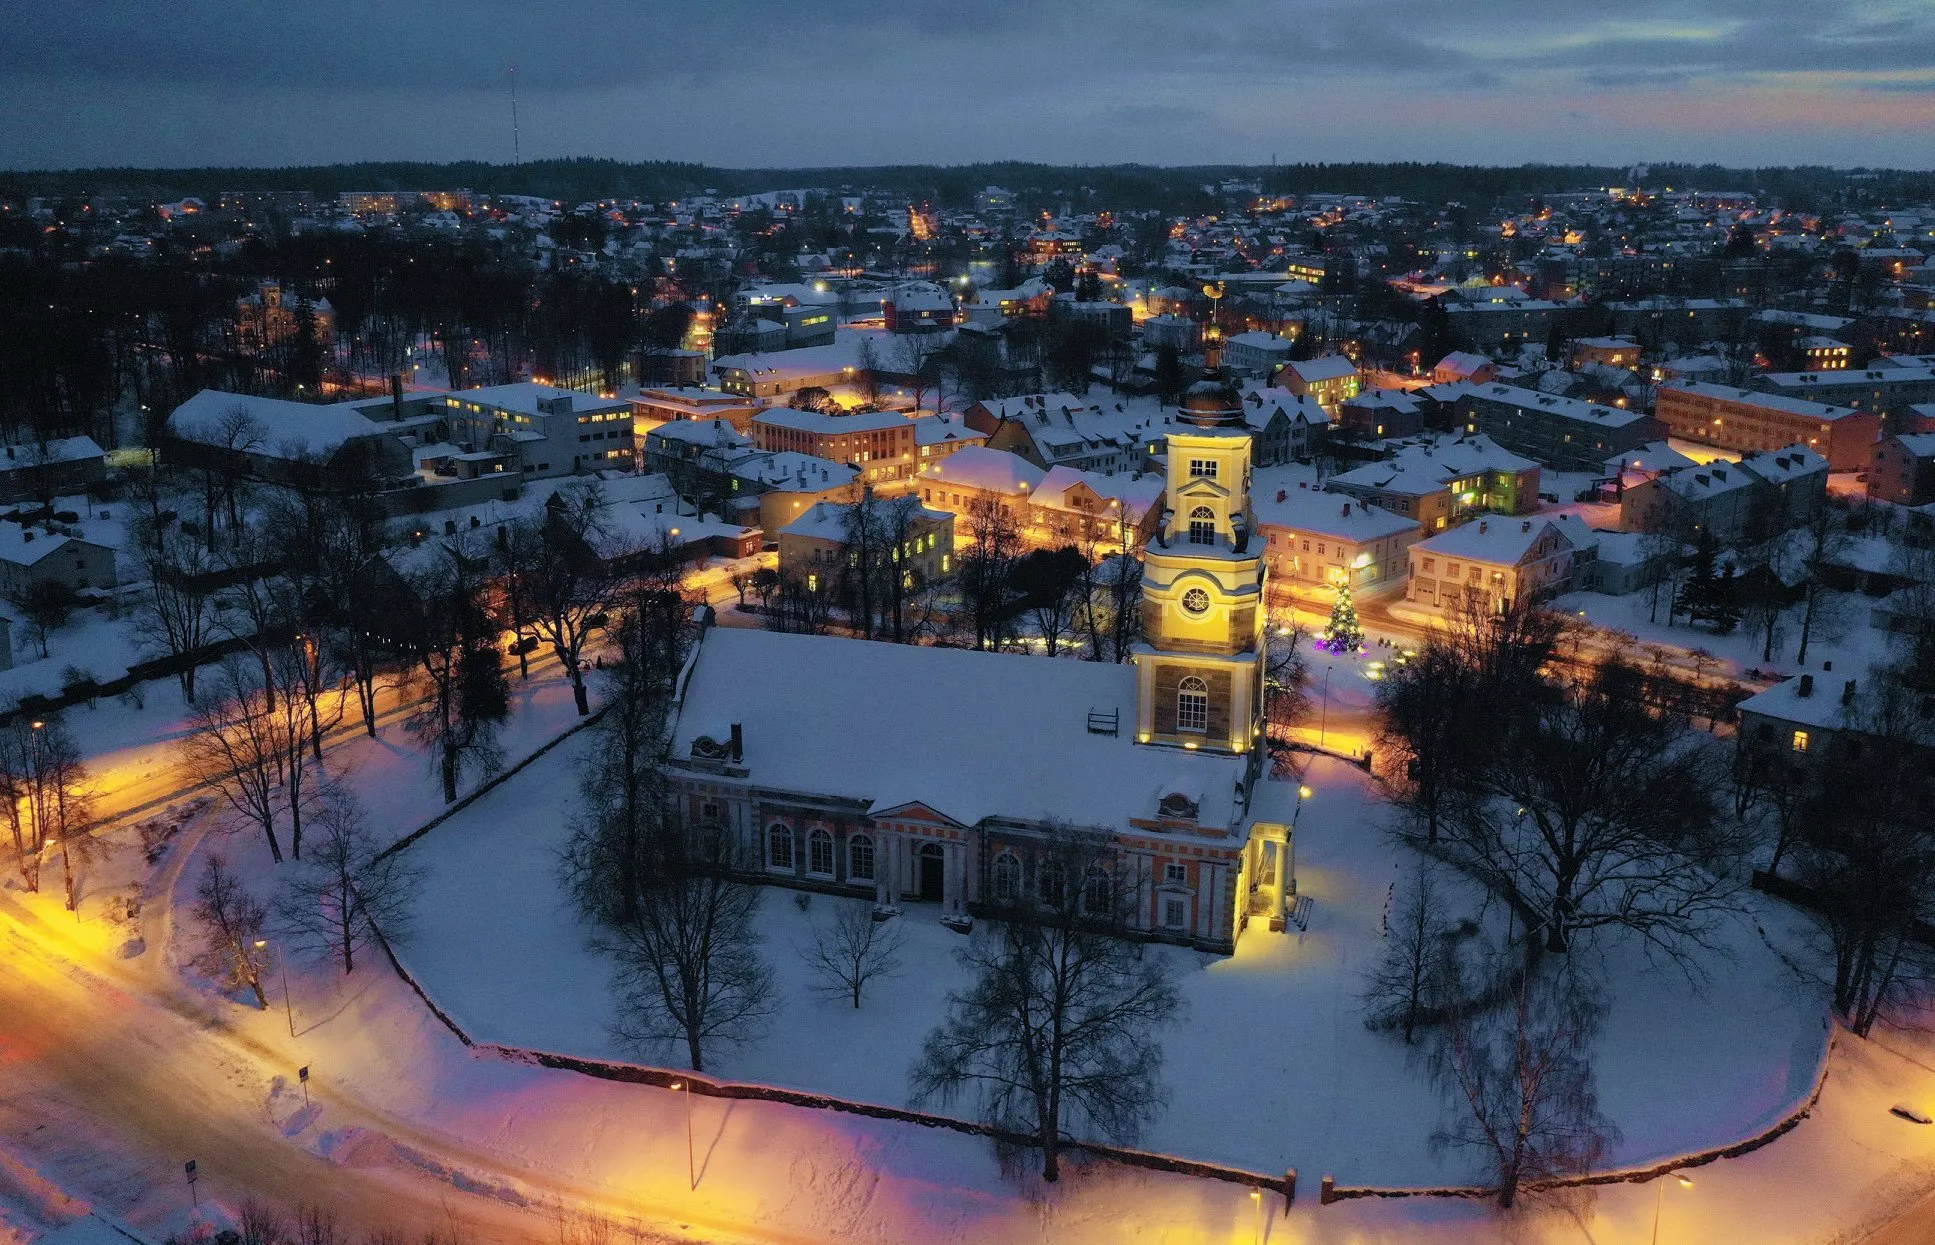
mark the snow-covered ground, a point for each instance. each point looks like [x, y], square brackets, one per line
[1842, 639]
[1271, 1066]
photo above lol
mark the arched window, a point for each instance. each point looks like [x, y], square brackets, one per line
[1007, 878]
[860, 858]
[1192, 705]
[1051, 883]
[819, 853]
[1202, 526]
[1098, 893]
[779, 846]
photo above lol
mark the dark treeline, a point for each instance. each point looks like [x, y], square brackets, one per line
[1120, 186]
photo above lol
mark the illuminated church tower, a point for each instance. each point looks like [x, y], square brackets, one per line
[1199, 670]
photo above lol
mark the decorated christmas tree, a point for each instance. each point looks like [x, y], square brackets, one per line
[1343, 633]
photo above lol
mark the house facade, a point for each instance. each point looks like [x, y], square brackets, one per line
[1490, 565]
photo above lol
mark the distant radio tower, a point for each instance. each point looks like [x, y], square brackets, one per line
[517, 156]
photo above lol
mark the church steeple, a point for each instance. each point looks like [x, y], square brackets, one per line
[1200, 671]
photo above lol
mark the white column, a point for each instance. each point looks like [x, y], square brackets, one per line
[953, 881]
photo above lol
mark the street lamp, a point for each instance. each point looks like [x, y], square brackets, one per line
[691, 1167]
[283, 967]
[1659, 1196]
[1323, 720]
[1256, 1196]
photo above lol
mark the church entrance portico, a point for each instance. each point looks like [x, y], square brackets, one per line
[932, 875]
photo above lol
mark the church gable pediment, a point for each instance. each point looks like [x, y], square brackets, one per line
[1200, 488]
[914, 811]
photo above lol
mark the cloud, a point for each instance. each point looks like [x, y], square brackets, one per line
[857, 81]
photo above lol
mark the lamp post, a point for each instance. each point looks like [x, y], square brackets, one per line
[691, 1167]
[1256, 1197]
[1659, 1197]
[282, 967]
[1323, 719]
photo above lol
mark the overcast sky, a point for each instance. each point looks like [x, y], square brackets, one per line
[801, 82]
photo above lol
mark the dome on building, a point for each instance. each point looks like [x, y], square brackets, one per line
[1208, 404]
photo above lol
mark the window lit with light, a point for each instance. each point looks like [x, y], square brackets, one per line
[1800, 741]
[1192, 705]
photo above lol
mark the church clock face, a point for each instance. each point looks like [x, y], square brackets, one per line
[1195, 602]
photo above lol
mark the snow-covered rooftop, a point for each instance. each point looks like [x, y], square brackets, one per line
[988, 735]
[280, 428]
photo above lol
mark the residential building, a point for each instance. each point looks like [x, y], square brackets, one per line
[296, 444]
[43, 470]
[552, 431]
[1745, 419]
[815, 545]
[1380, 413]
[1903, 469]
[1101, 513]
[940, 435]
[1463, 366]
[1498, 325]
[78, 556]
[880, 443]
[1319, 539]
[652, 407]
[762, 375]
[1438, 483]
[1284, 427]
[1490, 565]
[918, 307]
[1254, 354]
[1563, 433]
[1874, 390]
[1622, 352]
[1761, 494]
[1331, 380]
[977, 473]
[1064, 430]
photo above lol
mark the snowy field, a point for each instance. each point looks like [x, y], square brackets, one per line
[1269, 1068]
[1841, 636]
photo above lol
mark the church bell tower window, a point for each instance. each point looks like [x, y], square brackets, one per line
[1202, 526]
[1192, 705]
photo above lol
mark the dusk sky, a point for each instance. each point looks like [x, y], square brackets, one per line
[759, 82]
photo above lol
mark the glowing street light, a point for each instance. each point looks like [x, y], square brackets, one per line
[691, 1167]
[283, 966]
[1659, 1196]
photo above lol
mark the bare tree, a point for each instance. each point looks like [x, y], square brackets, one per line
[1425, 710]
[851, 950]
[803, 605]
[1868, 855]
[235, 744]
[1046, 585]
[232, 922]
[689, 968]
[569, 586]
[1414, 970]
[1518, 1083]
[987, 566]
[453, 639]
[44, 605]
[1823, 540]
[621, 786]
[50, 803]
[349, 888]
[1056, 1029]
[179, 609]
[862, 543]
[1601, 811]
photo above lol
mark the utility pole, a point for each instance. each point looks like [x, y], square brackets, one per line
[517, 156]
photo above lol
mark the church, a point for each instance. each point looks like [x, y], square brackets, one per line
[913, 774]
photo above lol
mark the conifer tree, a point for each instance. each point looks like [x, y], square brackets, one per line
[1343, 633]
